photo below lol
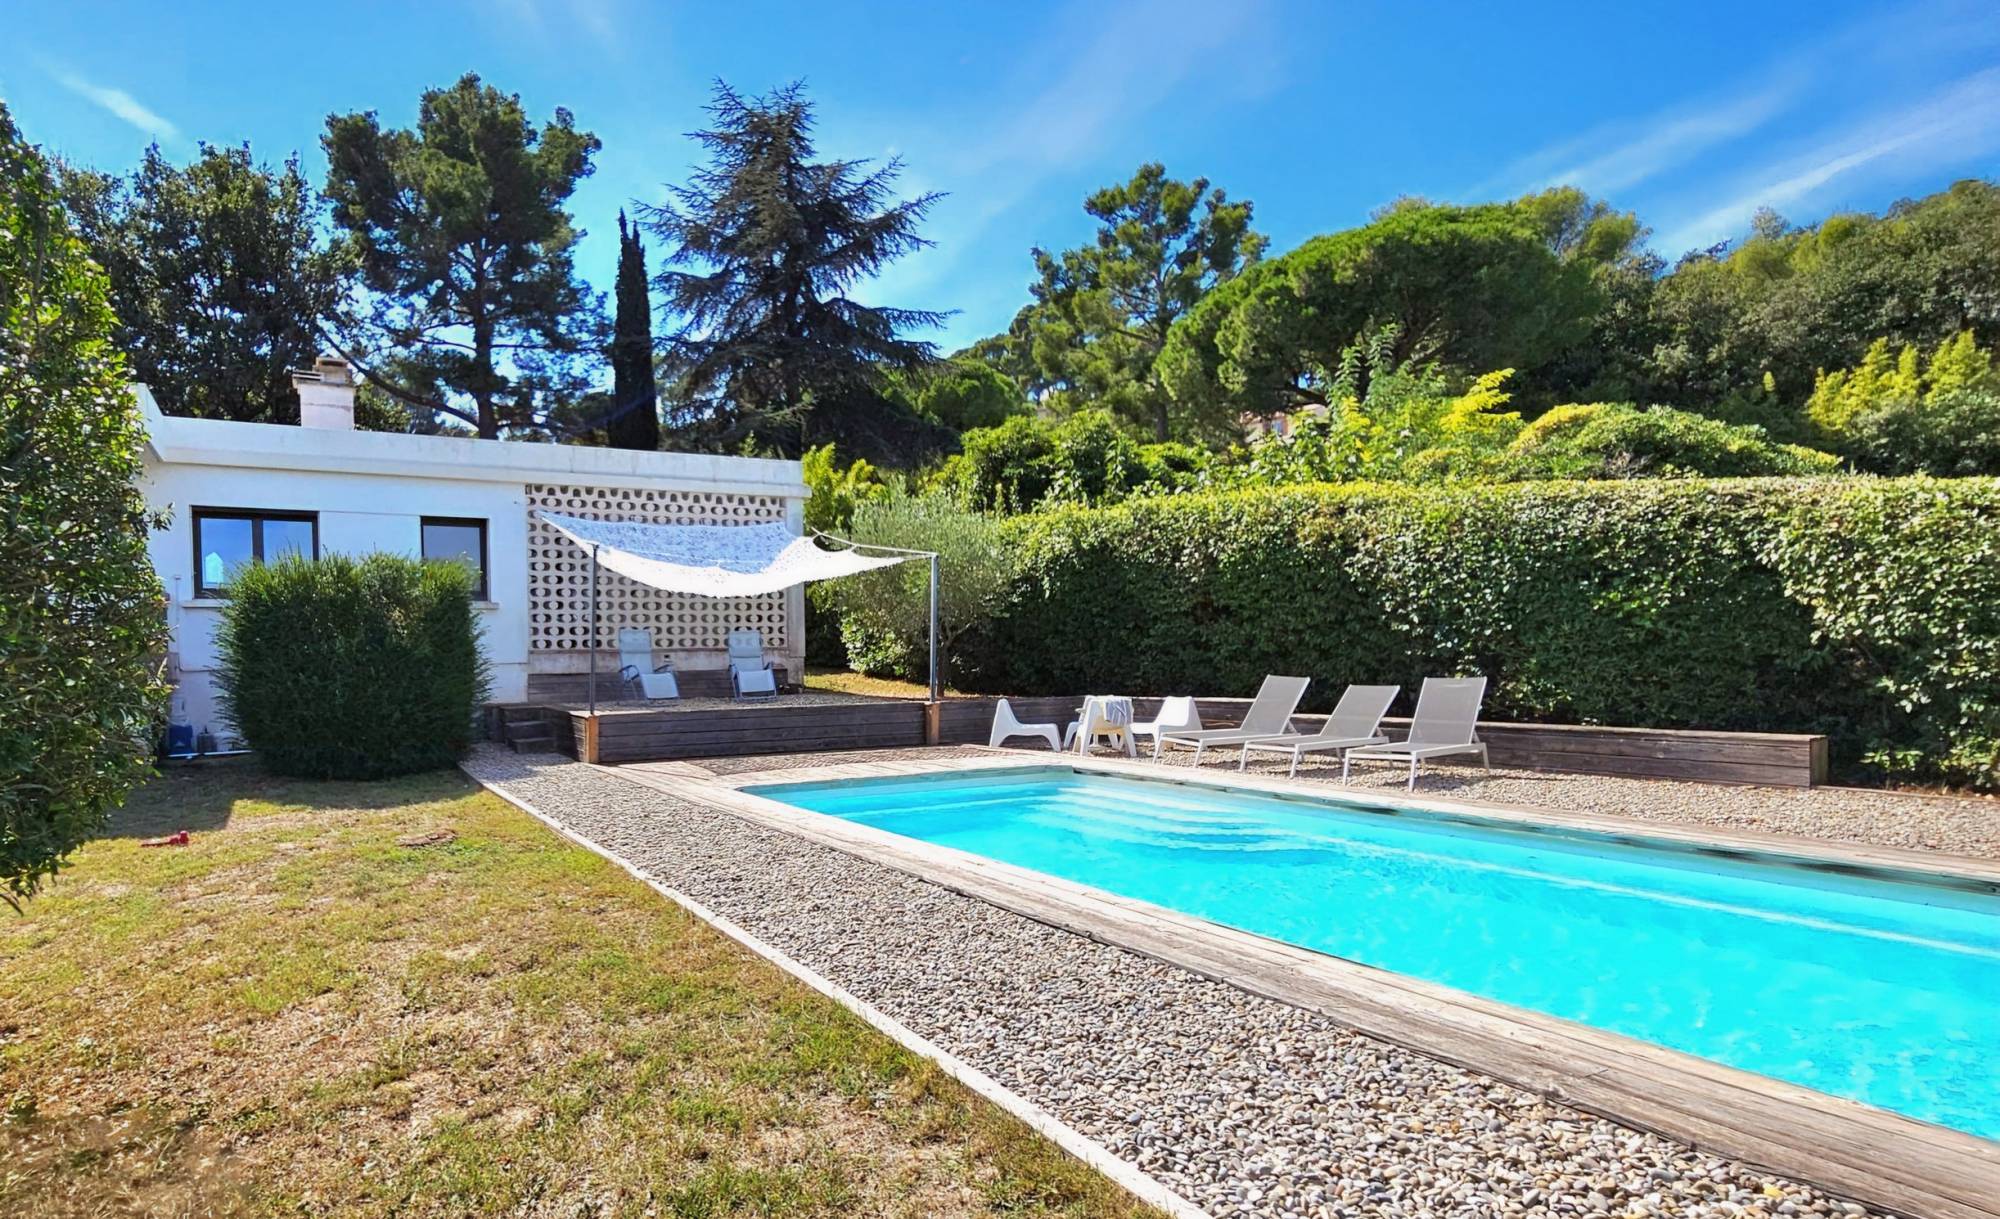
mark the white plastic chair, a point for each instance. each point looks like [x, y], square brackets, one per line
[1176, 714]
[635, 665]
[1102, 716]
[1445, 723]
[1006, 725]
[750, 675]
[1356, 722]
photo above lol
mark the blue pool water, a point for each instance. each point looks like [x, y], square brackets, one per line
[1881, 990]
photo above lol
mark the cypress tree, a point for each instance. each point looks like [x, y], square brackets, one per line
[635, 414]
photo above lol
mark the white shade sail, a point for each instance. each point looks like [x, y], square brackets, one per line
[713, 560]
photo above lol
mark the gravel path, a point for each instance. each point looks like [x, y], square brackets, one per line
[1246, 1106]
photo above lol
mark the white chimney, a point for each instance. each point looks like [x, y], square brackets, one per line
[326, 394]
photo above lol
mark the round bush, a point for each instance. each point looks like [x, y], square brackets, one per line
[346, 668]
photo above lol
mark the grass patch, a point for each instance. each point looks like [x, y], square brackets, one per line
[846, 681]
[297, 1014]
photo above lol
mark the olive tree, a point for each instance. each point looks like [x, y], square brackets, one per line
[885, 614]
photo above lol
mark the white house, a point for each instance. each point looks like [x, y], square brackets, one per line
[238, 492]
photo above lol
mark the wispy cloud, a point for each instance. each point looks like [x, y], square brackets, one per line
[1962, 120]
[1125, 63]
[597, 18]
[1673, 140]
[118, 103]
[1614, 156]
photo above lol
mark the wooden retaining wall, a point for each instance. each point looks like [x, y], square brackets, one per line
[639, 734]
[655, 736]
[1777, 759]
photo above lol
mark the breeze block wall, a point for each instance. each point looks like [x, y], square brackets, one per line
[559, 579]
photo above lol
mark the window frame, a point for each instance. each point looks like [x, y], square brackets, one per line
[481, 591]
[256, 516]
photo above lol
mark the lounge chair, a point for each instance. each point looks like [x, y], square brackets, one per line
[1006, 725]
[1177, 714]
[1356, 722]
[1270, 714]
[635, 665]
[1445, 723]
[750, 675]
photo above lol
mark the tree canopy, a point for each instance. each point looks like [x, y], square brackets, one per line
[1789, 301]
[467, 252]
[765, 245]
[220, 279]
[960, 393]
[1474, 287]
[1102, 312]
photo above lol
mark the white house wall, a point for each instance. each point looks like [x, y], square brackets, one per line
[371, 492]
[358, 514]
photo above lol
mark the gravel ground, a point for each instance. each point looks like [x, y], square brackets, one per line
[1246, 1106]
[1955, 825]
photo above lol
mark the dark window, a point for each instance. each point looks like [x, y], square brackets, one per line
[458, 541]
[227, 538]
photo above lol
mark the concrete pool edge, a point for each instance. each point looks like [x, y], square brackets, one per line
[1127, 1176]
[1852, 1149]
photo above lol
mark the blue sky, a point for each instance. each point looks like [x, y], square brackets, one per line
[1694, 115]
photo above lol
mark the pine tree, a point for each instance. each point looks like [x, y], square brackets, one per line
[467, 253]
[764, 246]
[635, 411]
[1103, 311]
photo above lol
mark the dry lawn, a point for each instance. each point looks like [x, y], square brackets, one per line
[845, 681]
[297, 1014]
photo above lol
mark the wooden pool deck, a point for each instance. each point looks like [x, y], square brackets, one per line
[1881, 1158]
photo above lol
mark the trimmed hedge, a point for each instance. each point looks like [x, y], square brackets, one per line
[1865, 609]
[347, 668]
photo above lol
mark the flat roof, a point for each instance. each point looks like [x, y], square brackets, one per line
[174, 440]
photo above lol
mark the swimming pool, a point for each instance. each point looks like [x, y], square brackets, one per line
[1883, 990]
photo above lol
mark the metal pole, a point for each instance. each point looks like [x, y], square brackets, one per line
[593, 633]
[937, 678]
[936, 691]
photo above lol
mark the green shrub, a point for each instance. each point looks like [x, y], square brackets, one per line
[347, 668]
[960, 393]
[834, 493]
[82, 619]
[1903, 580]
[1907, 414]
[1866, 610]
[885, 614]
[1614, 440]
[1413, 422]
[1029, 462]
[1913, 414]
